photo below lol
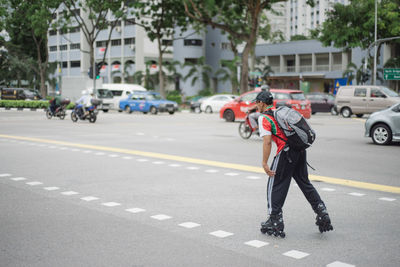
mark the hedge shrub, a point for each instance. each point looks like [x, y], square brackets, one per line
[24, 104]
[175, 96]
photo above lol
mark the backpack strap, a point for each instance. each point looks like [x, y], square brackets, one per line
[273, 125]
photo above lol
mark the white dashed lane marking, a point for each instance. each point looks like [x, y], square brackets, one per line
[295, 254]
[192, 168]
[339, 264]
[5, 175]
[387, 199]
[142, 160]
[135, 210]
[256, 243]
[189, 225]
[158, 162]
[113, 156]
[161, 217]
[89, 198]
[100, 153]
[253, 177]
[51, 188]
[18, 179]
[34, 183]
[232, 174]
[127, 157]
[328, 189]
[69, 193]
[356, 194]
[111, 204]
[174, 165]
[221, 234]
[212, 171]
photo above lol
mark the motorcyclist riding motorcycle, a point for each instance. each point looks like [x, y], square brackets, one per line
[55, 103]
[85, 101]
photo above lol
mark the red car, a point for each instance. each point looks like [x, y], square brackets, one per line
[236, 109]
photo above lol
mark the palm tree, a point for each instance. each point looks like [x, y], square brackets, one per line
[198, 70]
[228, 72]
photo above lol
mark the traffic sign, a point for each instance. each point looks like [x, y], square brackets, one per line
[391, 74]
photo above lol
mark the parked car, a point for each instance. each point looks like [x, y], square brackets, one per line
[196, 102]
[147, 102]
[214, 103]
[36, 94]
[364, 99]
[17, 94]
[322, 102]
[236, 109]
[384, 126]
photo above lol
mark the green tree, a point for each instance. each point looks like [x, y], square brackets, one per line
[352, 25]
[197, 71]
[92, 16]
[239, 18]
[27, 23]
[160, 18]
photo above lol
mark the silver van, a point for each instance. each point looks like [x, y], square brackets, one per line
[364, 99]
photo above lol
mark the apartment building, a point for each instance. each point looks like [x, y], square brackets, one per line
[302, 18]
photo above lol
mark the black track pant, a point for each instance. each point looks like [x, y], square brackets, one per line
[287, 164]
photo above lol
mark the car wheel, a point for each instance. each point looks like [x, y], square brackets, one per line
[105, 110]
[346, 112]
[128, 109]
[229, 116]
[208, 109]
[381, 134]
[334, 111]
[359, 115]
[197, 110]
[313, 113]
[153, 110]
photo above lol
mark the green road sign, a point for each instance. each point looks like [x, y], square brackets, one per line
[391, 74]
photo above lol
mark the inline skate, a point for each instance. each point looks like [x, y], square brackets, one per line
[274, 226]
[323, 221]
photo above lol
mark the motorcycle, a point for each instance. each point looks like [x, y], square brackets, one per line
[60, 111]
[245, 129]
[77, 113]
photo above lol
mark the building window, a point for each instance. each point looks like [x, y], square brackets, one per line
[52, 32]
[167, 42]
[63, 47]
[129, 22]
[193, 42]
[116, 42]
[75, 46]
[76, 64]
[191, 60]
[74, 29]
[129, 41]
[101, 44]
[53, 48]
[117, 23]
[65, 64]
[225, 46]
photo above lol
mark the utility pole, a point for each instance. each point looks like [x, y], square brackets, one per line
[375, 38]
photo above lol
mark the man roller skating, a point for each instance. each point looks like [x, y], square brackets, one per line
[287, 163]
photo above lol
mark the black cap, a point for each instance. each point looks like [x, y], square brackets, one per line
[264, 96]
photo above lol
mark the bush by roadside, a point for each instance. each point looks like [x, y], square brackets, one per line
[28, 104]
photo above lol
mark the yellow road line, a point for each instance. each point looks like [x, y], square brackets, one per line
[241, 167]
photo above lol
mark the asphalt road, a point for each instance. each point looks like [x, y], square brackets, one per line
[143, 190]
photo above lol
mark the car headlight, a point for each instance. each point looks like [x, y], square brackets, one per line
[175, 105]
[162, 105]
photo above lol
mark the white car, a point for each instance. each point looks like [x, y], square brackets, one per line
[214, 103]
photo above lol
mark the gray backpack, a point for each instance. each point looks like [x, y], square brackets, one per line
[295, 127]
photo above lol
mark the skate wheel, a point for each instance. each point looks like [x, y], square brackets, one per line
[282, 235]
[263, 230]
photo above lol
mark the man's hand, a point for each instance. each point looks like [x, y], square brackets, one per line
[268, 170]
